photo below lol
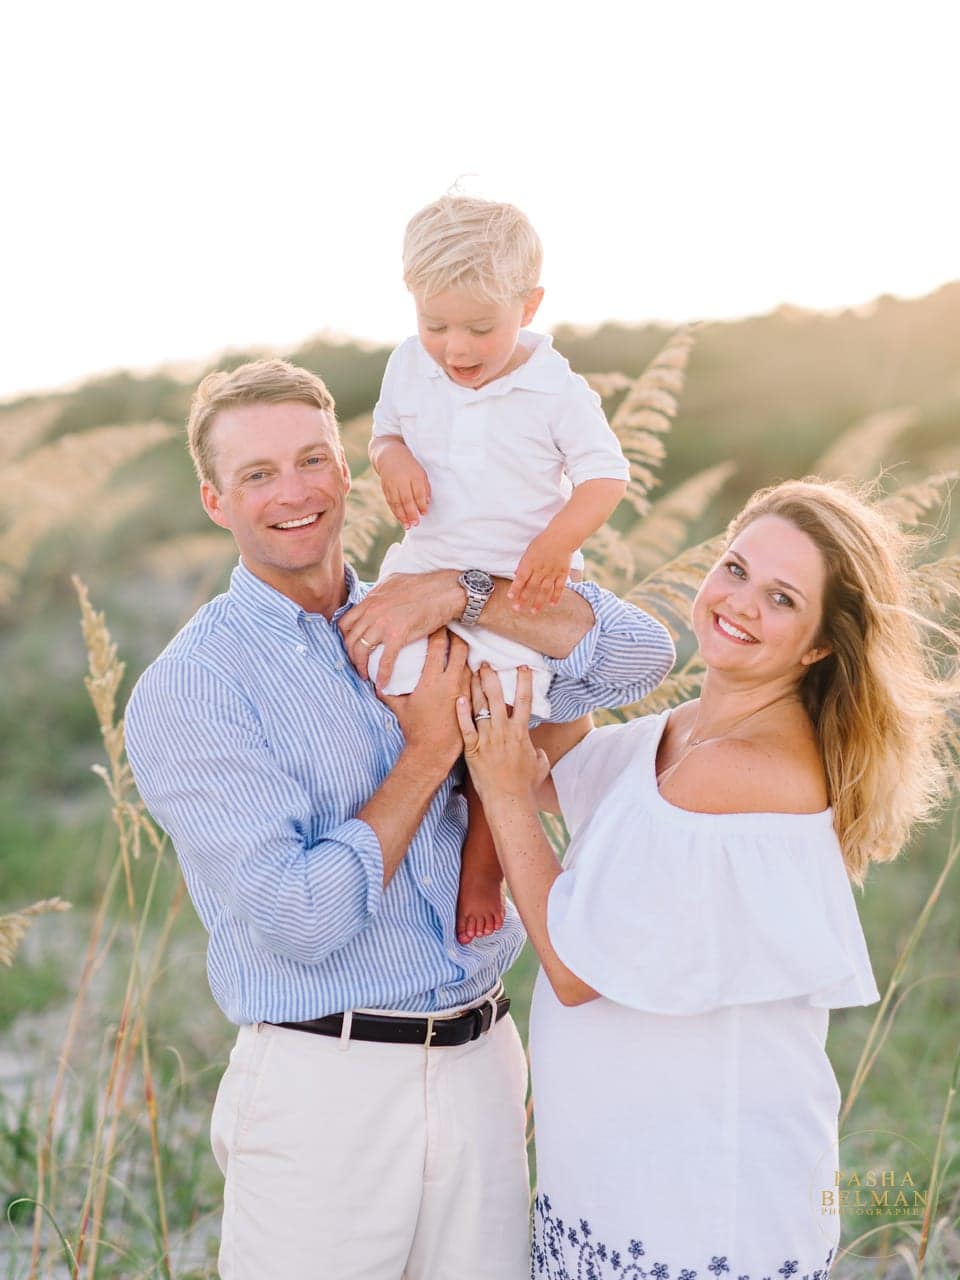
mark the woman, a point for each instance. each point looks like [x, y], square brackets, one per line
[704, 924]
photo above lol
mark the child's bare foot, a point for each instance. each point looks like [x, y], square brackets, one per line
[480, 904]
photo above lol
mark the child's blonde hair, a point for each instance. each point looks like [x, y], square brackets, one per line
[463, 242]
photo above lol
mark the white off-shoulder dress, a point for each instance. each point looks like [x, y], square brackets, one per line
[686, 1121]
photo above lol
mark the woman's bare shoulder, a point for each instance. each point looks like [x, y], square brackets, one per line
[767, 773]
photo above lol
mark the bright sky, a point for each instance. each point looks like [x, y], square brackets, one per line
[181, 178]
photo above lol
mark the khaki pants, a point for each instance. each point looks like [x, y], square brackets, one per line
[351, 1160]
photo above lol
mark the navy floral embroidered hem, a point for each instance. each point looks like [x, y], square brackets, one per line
[569, 1250]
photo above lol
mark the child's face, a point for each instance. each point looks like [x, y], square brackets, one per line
[472, 339]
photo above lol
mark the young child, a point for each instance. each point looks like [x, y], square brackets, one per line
[492, 453]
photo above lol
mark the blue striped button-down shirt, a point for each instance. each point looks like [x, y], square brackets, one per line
[254, 744]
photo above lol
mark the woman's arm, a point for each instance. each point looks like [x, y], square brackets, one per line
[555, 740]
[507, 770]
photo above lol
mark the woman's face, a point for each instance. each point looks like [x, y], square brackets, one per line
[759, 609]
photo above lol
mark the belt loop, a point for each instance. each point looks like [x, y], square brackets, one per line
[345, 1031]
[429, 1035]
[494, 1010]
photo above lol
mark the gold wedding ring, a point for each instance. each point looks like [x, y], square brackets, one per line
[367, 644]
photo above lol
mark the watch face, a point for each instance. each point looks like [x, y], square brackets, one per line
[477, 580]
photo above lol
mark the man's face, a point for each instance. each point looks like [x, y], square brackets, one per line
[282, 483]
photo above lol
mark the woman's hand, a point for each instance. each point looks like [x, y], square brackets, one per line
[502, 760]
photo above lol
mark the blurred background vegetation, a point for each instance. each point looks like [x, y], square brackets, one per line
[100, 485]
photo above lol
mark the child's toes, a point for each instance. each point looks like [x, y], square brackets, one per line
[467, 929]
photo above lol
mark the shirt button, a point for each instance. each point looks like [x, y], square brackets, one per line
[452, 954]
[301, 648]
[426, 882]
[338, 666]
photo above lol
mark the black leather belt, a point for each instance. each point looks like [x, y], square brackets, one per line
[435, 1031]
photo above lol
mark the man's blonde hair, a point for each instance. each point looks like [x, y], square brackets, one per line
[257, 382]
[463, 242]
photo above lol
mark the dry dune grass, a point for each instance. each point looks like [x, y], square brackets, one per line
[14, 925]
[59, 483]
[24, 426]
[643, 557]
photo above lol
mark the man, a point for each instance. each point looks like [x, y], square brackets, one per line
[319, 827]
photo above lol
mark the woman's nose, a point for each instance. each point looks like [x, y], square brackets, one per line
[742, 600]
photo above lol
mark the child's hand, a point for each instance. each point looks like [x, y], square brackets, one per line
[541, 574]
[405, 484]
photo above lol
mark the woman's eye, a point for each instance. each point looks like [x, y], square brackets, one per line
[736, 569]
[781, 599]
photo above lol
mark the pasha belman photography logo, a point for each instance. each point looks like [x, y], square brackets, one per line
[877, 1185]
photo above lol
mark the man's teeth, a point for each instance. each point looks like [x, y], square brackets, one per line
[296, 524]
[731, 630]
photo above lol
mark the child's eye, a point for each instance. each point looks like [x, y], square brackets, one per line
[435, 328]
[480, 333]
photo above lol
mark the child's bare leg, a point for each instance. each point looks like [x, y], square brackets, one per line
[480, 904]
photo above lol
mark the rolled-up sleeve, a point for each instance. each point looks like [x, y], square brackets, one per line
[240, 825]
[624, 655]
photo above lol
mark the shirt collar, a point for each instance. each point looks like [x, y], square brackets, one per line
[537, 373]
[275, 610]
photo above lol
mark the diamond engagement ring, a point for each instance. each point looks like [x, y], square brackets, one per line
[482, 714]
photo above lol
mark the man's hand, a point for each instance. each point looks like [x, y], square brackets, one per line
[403, 608]
[541, 574]
[406, 488]
[428, 716]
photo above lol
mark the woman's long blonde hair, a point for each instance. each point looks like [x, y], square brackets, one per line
[877, 701]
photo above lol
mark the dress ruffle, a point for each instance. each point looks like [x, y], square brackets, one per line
[674, 912]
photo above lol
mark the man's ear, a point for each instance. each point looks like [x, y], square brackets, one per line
[211, 504]
[531, 305]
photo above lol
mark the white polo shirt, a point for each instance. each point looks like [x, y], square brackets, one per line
[502, 459]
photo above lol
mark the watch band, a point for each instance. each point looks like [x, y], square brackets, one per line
[478, 585]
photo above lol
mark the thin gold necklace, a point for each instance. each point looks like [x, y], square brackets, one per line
[691, 743]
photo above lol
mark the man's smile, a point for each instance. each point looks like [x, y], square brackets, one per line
[300, 523]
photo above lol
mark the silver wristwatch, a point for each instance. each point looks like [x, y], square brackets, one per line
[478, 585]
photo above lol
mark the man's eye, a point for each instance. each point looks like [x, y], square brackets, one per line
[256, 475]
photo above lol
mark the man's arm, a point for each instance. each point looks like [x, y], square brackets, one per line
[239, 822]
[603, 651]
[408, 606]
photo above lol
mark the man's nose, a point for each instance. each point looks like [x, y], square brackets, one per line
[291, 486]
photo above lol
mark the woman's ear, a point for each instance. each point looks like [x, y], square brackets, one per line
[815, 655]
